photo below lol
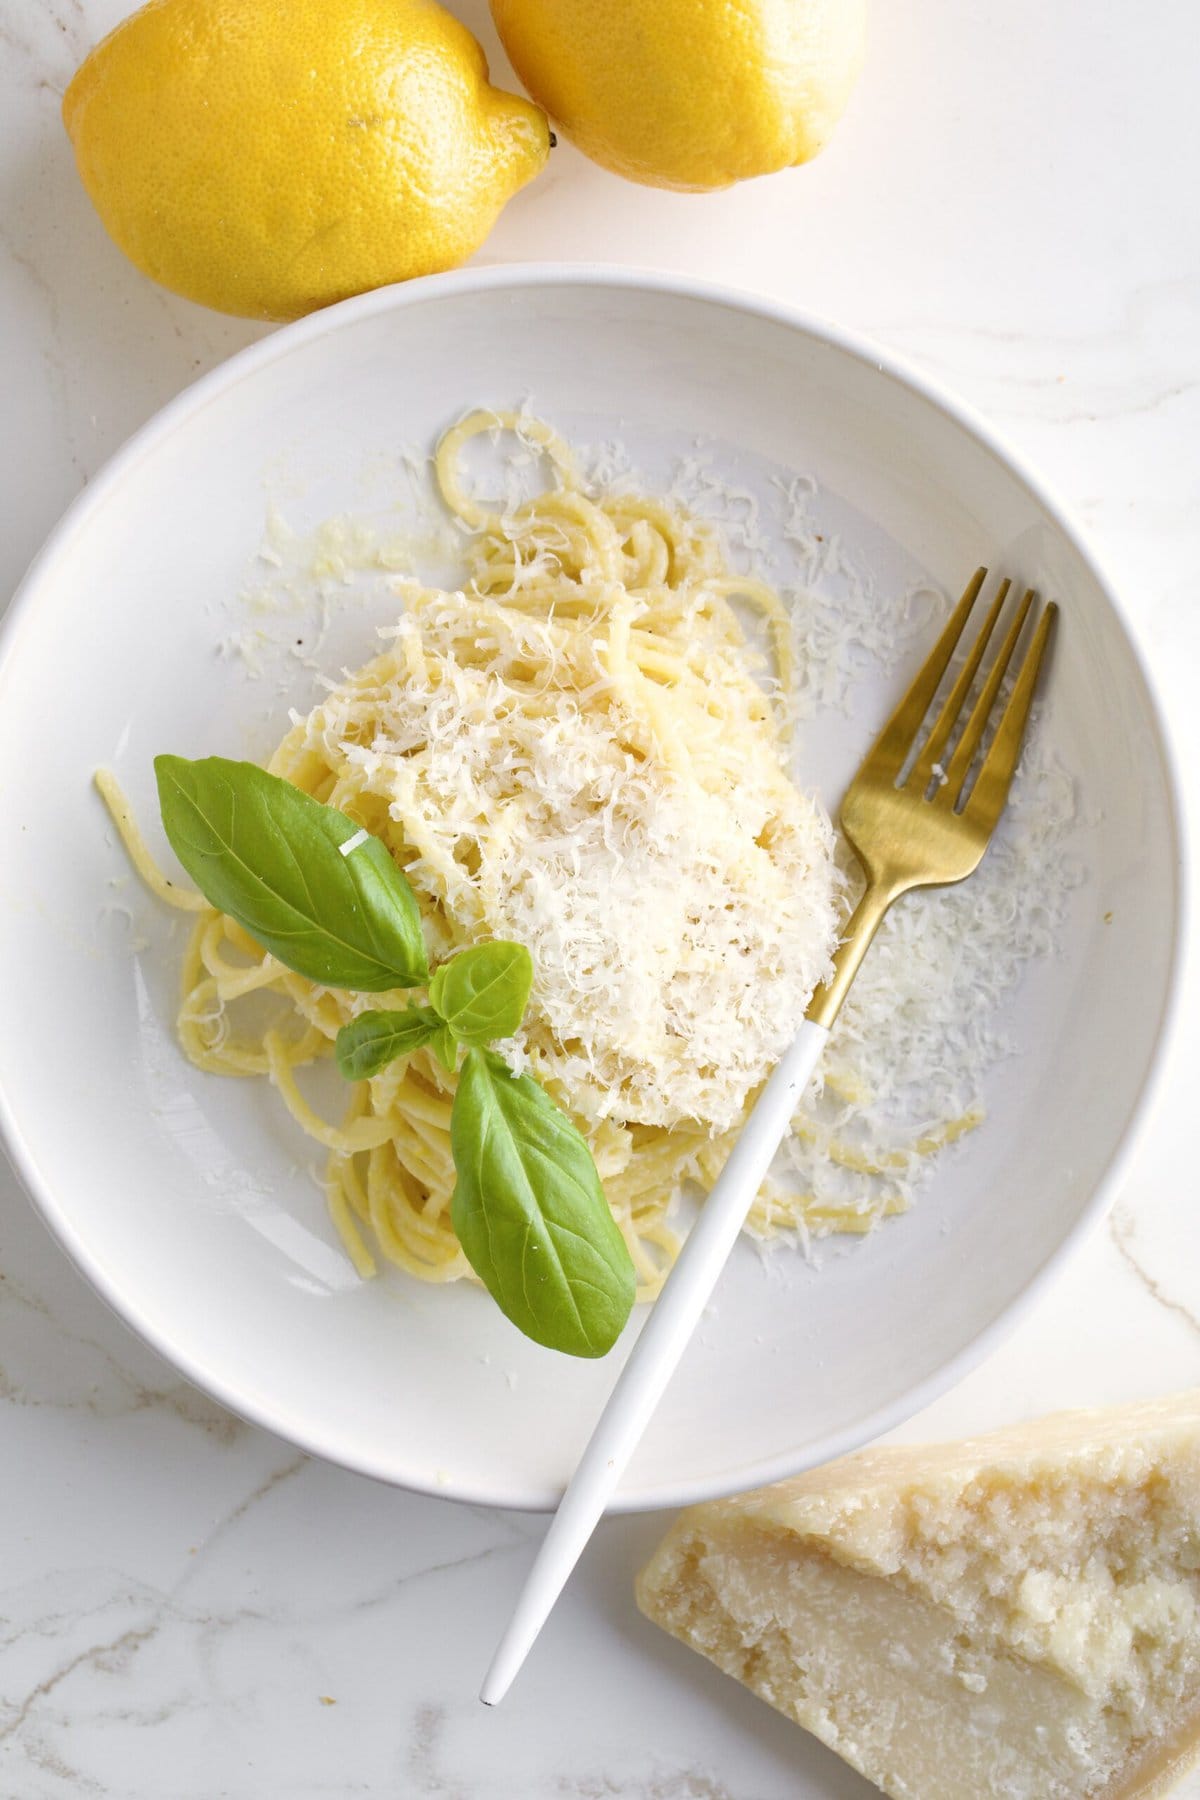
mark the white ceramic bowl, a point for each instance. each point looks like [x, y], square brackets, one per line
[186, 1199]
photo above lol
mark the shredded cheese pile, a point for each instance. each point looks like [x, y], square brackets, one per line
[607, 789]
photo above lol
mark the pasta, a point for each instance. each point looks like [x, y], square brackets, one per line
[580, 750]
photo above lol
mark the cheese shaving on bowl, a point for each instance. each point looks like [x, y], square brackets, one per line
[904, 1074]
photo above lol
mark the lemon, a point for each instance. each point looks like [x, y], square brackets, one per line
[688, 93]
[267, 157]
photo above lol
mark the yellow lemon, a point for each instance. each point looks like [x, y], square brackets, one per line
[269, 156]
[688, 93]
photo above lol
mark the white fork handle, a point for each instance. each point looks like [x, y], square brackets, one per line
[652, 1361]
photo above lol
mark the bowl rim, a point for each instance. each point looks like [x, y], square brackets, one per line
[245, 364]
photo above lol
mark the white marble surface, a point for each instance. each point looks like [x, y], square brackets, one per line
[188, 1608]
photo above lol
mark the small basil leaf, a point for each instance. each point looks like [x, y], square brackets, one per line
[482, 993]
[530, 1212]
[445, 1048]
[269, 855]
[373, 1040]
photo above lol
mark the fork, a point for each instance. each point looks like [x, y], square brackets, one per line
[920, 812]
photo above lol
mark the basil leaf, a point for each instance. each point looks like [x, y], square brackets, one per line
[445, 1048]
[268, 855]
[530, 1212]
[373, 1040]
[482, 993]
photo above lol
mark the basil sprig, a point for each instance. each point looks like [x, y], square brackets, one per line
[328, 900]
[530, 1213]
[270, 856]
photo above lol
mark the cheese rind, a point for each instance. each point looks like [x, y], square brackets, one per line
[1016, 1617]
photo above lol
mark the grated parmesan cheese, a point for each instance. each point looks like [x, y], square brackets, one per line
[679, 913]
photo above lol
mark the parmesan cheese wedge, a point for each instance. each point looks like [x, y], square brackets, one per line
[1016, 1617]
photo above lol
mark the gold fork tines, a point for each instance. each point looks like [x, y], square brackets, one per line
[915, 819]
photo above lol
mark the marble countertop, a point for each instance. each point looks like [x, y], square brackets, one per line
[189, 1609]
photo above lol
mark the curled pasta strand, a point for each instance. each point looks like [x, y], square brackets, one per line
[160, 885]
